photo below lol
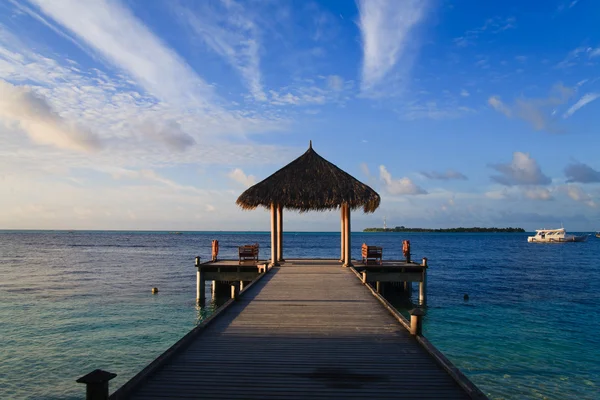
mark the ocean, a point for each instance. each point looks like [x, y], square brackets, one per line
[71, 302]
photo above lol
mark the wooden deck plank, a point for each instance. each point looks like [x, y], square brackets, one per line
[308, 329]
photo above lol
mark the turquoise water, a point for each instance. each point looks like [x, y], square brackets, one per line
[73, 302]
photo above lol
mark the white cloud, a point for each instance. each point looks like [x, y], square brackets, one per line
[240, 177]
[583, 173]
[498, 105]
[327, 89]
[432, 110]
[102, 25]
[365, 170]
[136, 129]
[576, 193]
[501, 194]
[168, 133]
[230, 32]
[523, 170]
[387, 33]
[464, 93]
[536, 111]
[335, 82]
[32, 113]
[575, 56]
[537, 193]
[491, 25]
[149, 175]
[585, 99]
[444, 176]
[399, 186]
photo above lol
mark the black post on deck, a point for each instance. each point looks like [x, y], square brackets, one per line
[96, 384]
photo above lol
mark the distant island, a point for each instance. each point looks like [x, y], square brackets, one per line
[451, 230]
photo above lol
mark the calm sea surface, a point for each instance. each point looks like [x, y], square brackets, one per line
[74, 302]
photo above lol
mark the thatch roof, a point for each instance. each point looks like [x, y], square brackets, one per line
[310, 183]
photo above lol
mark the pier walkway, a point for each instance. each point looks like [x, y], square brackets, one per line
[307, 330]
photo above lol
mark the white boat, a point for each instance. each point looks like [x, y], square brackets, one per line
[555, 236]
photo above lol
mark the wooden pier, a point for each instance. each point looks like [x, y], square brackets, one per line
[308, 329]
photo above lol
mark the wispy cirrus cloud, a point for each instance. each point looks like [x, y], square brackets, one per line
[522, 170]
[399, 186]
[577, 56]
[227, 28]
[387, 31]
[539, 112]
[584, 100]
[444, 176]
[151, 176]
[491, 26]
[124, 112]
[154, 66]
[306, 92]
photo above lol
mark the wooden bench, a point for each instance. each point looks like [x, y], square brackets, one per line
[248, 252]
[374, 253]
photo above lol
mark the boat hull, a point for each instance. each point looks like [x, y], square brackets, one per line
[567, 239]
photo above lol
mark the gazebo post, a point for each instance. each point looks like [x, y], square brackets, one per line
[348, 246]
[274, 262]
[279, 233]
[343, 233]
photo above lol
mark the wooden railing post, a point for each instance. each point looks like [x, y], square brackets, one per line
[96, 384]
[416, 321]
[200, 284]
[235, 290]
[423, 283]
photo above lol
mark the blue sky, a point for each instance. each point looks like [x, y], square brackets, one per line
[157, 115]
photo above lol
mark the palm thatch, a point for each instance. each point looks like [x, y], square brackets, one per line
[310, 183]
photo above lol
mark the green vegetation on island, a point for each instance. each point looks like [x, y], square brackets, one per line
[451, 230]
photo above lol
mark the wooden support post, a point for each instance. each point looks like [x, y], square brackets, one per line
[235, 290]
[96, 384]
[378, 287]
[364, 277]
[274, 235]
[241, 285]
[200, 284]
[408, 289]
[214, 290]
[348, 245]
[279, 233]
[416, 321]
[343, 233]
[423, 284]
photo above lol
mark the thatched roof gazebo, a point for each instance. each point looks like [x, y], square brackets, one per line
[309, 183]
